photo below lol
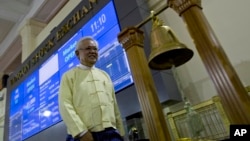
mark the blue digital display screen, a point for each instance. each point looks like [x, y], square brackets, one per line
[16, 108]
[16, 99]
[67, 52]
[34, 103]
[30, 112]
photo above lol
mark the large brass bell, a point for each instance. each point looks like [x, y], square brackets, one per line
[166, 50]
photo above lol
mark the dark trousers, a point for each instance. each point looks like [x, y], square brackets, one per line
[109, 134]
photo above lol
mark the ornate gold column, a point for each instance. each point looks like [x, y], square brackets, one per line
[132, 40]
[233, 95]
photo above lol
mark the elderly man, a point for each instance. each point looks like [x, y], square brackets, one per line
[87, 99]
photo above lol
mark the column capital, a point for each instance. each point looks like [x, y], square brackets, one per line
[131, 36]
[28, 33]
[182, 5]
[34, 26]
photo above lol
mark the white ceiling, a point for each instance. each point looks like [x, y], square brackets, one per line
[13, 14]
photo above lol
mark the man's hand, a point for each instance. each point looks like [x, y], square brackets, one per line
[87, 137]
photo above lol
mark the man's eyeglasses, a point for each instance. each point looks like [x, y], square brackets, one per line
[88, 49]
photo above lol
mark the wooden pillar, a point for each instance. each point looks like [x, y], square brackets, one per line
[132, 40]
[233, 95]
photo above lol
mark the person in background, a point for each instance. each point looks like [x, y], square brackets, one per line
[3, 91]
[87, 101]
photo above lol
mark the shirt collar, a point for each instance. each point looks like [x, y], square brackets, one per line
[84, 67]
